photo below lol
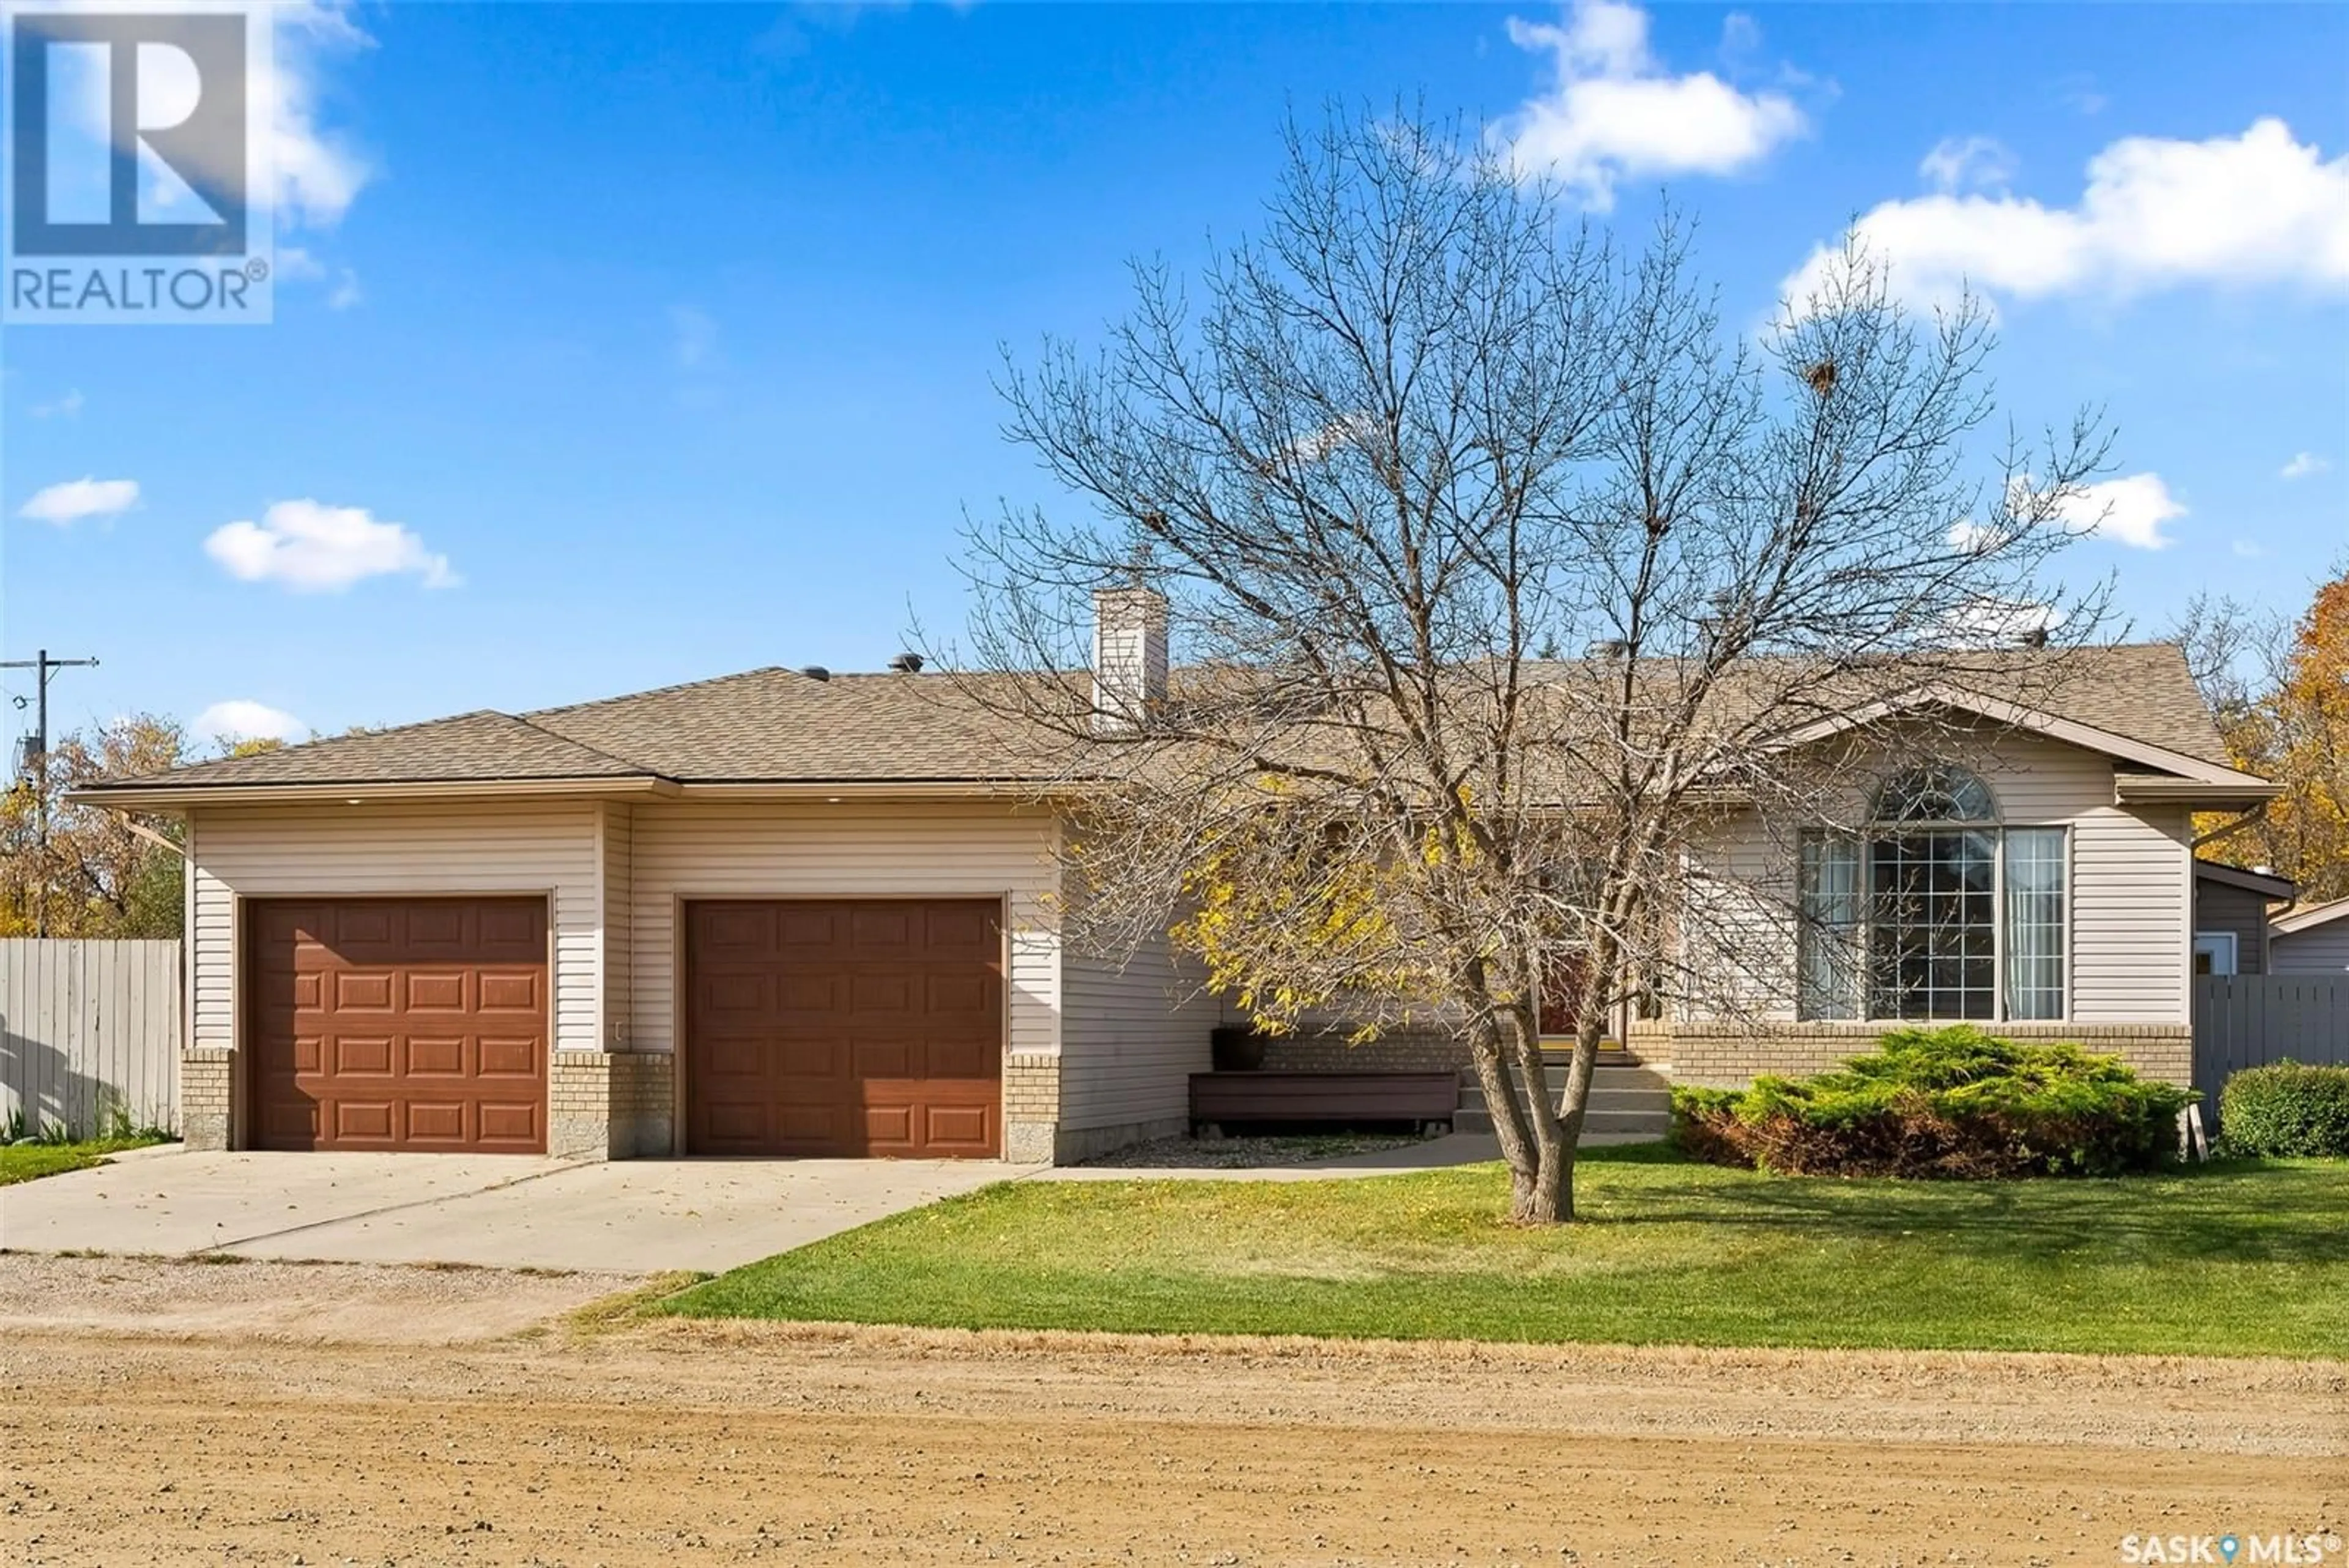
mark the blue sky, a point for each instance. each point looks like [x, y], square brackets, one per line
[619, 345]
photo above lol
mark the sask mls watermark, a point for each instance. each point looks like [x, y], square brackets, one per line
[138, 187]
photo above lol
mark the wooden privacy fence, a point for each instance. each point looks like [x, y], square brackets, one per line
[2247, 1020]
[87, 1028]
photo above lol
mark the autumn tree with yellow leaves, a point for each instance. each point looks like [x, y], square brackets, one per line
[2281, 691]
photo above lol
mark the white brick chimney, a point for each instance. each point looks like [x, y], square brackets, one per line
[1129, 656]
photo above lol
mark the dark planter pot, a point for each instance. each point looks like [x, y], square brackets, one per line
[1237, 1049]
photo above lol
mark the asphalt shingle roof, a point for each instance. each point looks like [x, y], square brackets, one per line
[776, 725]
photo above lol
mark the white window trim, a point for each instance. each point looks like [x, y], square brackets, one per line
[1997, 832]
[2214, 943]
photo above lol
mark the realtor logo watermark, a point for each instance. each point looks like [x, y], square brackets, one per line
[2233, 1548]
[137, 184]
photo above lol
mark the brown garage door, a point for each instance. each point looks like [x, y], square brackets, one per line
[398, 1023]
[871, 1027]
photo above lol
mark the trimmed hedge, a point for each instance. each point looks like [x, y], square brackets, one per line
[1952, 1103]
[2285, 1108]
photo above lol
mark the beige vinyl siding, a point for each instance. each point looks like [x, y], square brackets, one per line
[773, 849]
[615, 860]
[2130, 890]
[2319, 950]
[1132, 1036]
[329, 851]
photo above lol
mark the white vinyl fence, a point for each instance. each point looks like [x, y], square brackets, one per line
[88, 1029]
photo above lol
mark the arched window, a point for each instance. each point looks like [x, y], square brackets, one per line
[1935, 911]
[1939, 793]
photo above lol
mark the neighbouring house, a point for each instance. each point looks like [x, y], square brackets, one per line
[794, 913]
[2232, 934]
[2315, 940]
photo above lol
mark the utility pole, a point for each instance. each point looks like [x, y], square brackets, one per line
[34, 767]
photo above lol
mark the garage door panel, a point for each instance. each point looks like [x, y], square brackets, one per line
[749, 995]
[500, 1057]
[882, 931]
[366, 1024]
[358, 928]
[435, 1056]
[958, 993]
[956, 1127]
[432, 991]
[286, 1119]
[356, 1120]
[965, 932]
[880, 1062]
[510, 992]
[884, 993]
[819, 1060]
[889, 1129]
[881, 1032]
[514, 1126]
[739, 928]
[361, 1055]
[801, 926]
[434, 1121]
[363, 991]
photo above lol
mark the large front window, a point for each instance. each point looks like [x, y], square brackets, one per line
[1936, 911]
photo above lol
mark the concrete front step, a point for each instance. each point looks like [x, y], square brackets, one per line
[1625, 1099]
[1614, 1123]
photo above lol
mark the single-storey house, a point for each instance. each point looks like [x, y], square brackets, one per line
[2313, 940]
[798, 913]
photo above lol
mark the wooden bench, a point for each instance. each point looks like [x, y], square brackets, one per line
[1324, 1099]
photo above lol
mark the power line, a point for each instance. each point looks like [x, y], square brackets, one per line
[33, 767]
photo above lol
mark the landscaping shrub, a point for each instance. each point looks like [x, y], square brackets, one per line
[1951, 1103]
[2285, 1108]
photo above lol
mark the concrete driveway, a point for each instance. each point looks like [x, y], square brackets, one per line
[495, 1210]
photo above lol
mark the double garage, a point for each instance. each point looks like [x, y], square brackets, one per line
[810, 1027]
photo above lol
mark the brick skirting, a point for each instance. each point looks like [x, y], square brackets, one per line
[610, 1104]
[1732, 1058]
[207, 1096]
[1031, 1108]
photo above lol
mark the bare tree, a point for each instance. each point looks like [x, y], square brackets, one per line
[1411, 437]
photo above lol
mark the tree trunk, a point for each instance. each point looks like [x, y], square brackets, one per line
[1546, 1196]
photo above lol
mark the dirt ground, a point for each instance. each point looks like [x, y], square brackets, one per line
[183, 1429]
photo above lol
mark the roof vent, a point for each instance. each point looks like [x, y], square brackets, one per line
[815, 672]
[907, 664]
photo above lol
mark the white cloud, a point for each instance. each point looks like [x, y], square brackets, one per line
[1972, 162]
[2249, 549]
[2259, 208]
[67, 504]
[241, 719]
[1985, 619]
[64, 408]
[311, 548]
[2303, 465]
[1615, 112]
[2131, 509]
[346, 292]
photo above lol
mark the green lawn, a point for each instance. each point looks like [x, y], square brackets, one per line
[25, 1161]
[2232, 1259]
